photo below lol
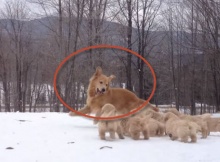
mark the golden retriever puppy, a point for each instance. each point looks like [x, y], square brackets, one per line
[200, 121]
[155, 127]
[177, 128]
[100, 93]
[112, 127]
[133, 127]
[136, 127]
[204, 116]
[153, 114]
[214, 124]
[174, 111]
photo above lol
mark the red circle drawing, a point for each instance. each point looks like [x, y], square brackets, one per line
[108, 47]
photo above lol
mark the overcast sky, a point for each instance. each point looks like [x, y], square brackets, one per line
[35, 9]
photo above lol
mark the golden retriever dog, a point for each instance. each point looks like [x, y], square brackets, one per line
[200, 121]
[177, 128]
[155, 127]
[100, 93]
[134, 127]
[112, 127]
[214, 124]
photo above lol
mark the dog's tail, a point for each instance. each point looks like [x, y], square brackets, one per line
[84, 110]
[149, 105]
[71, 113]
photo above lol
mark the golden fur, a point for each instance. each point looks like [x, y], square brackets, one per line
[109, 110]
[177, 128]
[200, 121]
[133, 127]
[100, 93]
[204, 116]
[155, 127]
[214, 124]
[153, 114]
[174, 111]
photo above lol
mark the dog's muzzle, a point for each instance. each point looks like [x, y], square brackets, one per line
[102, 91]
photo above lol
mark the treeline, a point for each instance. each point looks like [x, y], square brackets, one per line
[180, 39]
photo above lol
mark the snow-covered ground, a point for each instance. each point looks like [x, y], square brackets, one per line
[56, 137]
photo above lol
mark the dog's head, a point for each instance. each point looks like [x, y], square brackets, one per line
[169, 115]
[135, 124]
[100, 82]
[174, 111]
[108, 109]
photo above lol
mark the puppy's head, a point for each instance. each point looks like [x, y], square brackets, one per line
[174, 111]
[100, 81]
[134, 124]
[169, 115]
[108, 108]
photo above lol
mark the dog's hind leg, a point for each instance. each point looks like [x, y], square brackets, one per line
[112, 134]
[193, 138]
[162, 131]
[111, 127]
[204, 133]
[85, 110]
[98, 114]
[120, 132]
[146, 134]
[102, 134]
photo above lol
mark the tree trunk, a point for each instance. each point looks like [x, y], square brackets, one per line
[129, 45]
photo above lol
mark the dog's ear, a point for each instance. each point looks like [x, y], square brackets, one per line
[101, 112]
[111, 77]
[148, 116]
[98, 71]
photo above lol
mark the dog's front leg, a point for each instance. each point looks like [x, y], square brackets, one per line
[98, 114]
[85, 110]
[119, 131]
[146, 134]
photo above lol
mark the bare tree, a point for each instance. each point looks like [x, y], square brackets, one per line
[4, 72]
[15, 27]
[144, 17]
[126, 8]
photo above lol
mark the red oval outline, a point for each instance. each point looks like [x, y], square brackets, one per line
[110, 47]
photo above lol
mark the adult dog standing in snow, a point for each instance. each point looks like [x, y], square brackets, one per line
[100, 93]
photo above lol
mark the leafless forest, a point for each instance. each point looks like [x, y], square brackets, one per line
[179, 38]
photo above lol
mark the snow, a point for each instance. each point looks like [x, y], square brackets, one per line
[56, 137]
